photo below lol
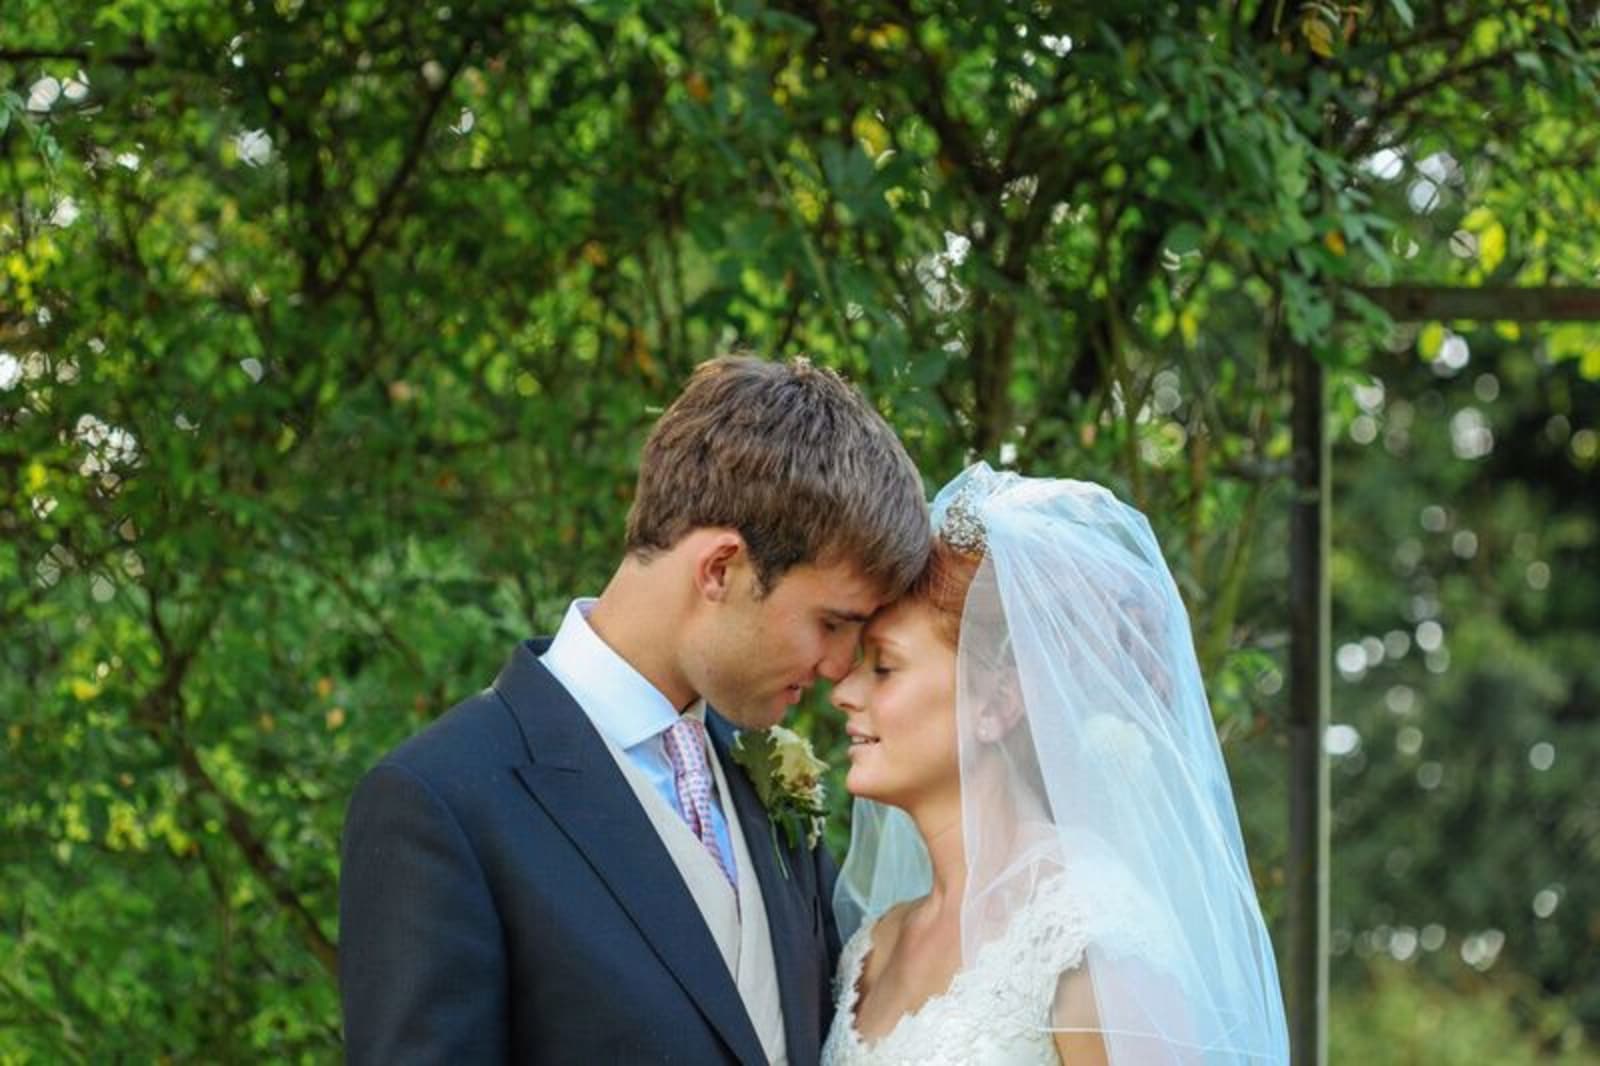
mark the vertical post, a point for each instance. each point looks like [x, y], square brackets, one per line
[1307, 904]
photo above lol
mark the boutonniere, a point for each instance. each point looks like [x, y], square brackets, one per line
[787, 776]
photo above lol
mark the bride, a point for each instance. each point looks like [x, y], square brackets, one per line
[1045, 860]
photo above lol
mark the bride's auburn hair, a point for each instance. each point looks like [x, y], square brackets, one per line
[943, 585]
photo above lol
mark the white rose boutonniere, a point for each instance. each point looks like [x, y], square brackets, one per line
[787, 776]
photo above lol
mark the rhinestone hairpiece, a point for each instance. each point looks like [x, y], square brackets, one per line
[961, 528]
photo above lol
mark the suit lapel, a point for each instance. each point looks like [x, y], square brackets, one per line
[574, 778]
[788, 898]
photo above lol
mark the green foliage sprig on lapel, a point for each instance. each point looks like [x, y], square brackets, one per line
[787, 776]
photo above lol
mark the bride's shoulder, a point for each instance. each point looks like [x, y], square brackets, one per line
[1100, 900]
[1086, 897]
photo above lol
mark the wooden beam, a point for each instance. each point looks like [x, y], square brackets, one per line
[1306, 972]
[1491, 303]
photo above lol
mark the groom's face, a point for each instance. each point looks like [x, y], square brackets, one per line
[759, 653]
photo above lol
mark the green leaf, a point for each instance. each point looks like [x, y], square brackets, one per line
[1184, 238]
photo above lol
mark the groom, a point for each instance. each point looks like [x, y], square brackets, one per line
[569, 867]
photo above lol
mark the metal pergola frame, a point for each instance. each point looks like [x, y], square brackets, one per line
[1306, 947]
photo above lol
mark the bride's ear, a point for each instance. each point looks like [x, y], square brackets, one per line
[717, 556]
[1002, 713]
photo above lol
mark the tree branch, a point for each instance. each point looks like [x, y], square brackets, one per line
[127, 60]
[43, 1014]
[1395, 105]
[160, 712]
[266, 869]
[399, 179]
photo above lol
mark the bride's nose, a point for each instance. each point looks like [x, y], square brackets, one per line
[846, 695]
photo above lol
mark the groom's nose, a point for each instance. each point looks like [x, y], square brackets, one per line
[837, 660]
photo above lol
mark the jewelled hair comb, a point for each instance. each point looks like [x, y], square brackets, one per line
[961, 527]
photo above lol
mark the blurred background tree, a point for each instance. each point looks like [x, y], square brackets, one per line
[329, 334]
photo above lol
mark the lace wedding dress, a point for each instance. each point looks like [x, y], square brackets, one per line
[995, 1012]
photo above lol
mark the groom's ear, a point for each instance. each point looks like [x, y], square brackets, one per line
[717, 559]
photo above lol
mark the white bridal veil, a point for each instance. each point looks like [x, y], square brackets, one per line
[1092, 782]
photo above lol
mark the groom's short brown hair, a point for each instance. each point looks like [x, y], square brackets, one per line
[794, 459]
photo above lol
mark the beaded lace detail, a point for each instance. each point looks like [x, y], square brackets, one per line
[994, 1012]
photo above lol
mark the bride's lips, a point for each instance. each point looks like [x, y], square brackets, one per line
[858, 739]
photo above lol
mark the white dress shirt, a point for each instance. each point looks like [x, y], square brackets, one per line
[628, 710]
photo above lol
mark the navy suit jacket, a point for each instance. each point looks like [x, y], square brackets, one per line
[504, 898]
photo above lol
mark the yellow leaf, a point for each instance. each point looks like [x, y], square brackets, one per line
[74, 826]
[1189, 326]
[1430, 340]
[84, 690]
[335, 718]
[807, 203]
[1335, 242]
[36, 477]
[1491, 235]
[872, 134]
[888, 37]
[1492, 247]
[1318, 35]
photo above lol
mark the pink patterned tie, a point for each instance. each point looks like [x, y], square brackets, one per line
[691, 774]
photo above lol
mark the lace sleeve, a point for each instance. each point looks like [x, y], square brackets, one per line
[1125, 922]
[1098, 908]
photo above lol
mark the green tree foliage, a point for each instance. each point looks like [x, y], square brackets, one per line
[1391, 1015]
[1466, 816]
[329, 333]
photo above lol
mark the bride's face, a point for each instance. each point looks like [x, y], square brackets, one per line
[900, 700]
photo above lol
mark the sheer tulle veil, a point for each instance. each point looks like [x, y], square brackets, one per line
[1092, 781]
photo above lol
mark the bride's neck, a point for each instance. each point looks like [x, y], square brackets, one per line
[940, 828]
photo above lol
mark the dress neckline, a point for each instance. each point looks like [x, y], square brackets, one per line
[857, 961]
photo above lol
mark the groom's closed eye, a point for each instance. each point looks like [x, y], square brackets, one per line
[834, 621]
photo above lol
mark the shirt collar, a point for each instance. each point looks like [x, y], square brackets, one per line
[626, 708]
